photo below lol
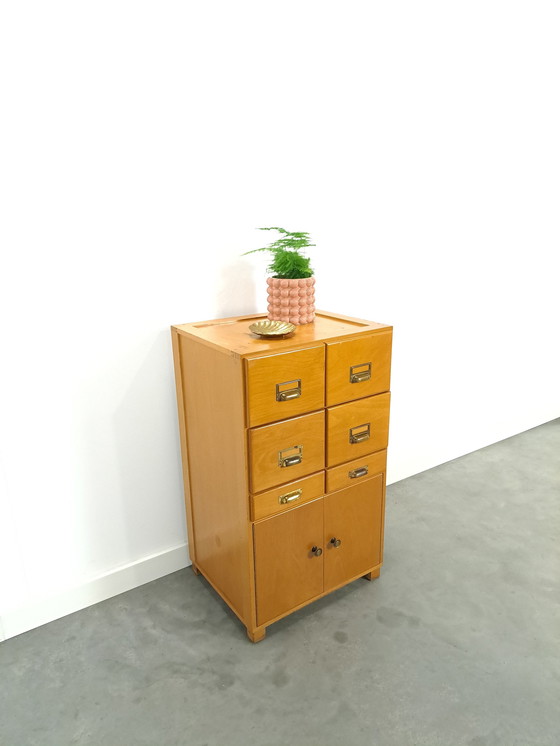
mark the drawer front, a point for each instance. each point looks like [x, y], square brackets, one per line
[287, 571]
[285, 385]
[285, 451]
[357, 428]
[353, 531]
[288, 496]
[358, 367]
[356, 471]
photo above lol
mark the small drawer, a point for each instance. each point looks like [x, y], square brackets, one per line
[358, 367]
[285, 385]
[356, 471]
[357, 428]
[285, 451]
[288, 496]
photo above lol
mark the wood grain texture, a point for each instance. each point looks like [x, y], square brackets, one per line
[340, 419]
[254, 551]
[232, 335]
[256, 635]
[354, 517]
[265, 443]
[374, 349]
[268, 503]
[373, 571]
[263, 373]
[339, 477]
[287, 573]
[213, 396]
[175, 340]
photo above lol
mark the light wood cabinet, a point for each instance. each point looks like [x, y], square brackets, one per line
[284, 457]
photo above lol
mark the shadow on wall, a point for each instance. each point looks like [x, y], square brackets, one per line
[131, 466]
[147, 448]
[236, 293]
[130, 473]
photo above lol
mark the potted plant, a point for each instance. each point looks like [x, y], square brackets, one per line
[291, 288]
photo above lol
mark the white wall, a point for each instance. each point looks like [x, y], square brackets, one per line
[143, 143]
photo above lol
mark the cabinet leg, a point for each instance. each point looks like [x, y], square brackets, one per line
[195, 569]
[373, 574]
[256, 635]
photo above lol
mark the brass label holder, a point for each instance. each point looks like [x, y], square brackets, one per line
[290, 456]
[359, 433]
[294, 392]
[360, 372]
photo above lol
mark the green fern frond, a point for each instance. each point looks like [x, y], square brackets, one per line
[287, 261]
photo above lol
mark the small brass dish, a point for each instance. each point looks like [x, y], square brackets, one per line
[278, 329]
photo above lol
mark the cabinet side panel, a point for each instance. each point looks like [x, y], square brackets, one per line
[183, 437]
[214, 414]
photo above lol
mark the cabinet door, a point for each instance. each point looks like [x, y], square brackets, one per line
[287, 571]
[353, 531]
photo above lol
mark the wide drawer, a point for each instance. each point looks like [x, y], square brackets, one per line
[354, 472]
[357, 428]
[285, 451]
[285, 385]
[288, 496]
[358, 367]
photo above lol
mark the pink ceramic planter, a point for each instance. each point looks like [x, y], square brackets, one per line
[291, 300]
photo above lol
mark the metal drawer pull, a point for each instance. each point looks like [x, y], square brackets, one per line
[359, 437]
[295, 458]
[291, 393]
[335, 542]
[361, 472]
[316, 551]
[357, 376]
[289, 497]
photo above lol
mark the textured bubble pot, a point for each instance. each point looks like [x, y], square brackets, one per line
[291, 300]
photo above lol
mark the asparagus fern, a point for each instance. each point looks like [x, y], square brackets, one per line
[288, 263]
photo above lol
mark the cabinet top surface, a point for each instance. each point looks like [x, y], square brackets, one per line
[233, 335]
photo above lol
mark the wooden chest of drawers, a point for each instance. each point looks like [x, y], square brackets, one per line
[284, 458]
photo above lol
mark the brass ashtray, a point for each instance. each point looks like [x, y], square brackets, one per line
[277, 329]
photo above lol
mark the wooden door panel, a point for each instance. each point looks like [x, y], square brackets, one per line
[353, 517]
[287, 573]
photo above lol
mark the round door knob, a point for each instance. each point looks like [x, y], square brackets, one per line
[336, 542]
[317, 551]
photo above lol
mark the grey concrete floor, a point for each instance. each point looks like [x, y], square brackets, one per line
[458, 641]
